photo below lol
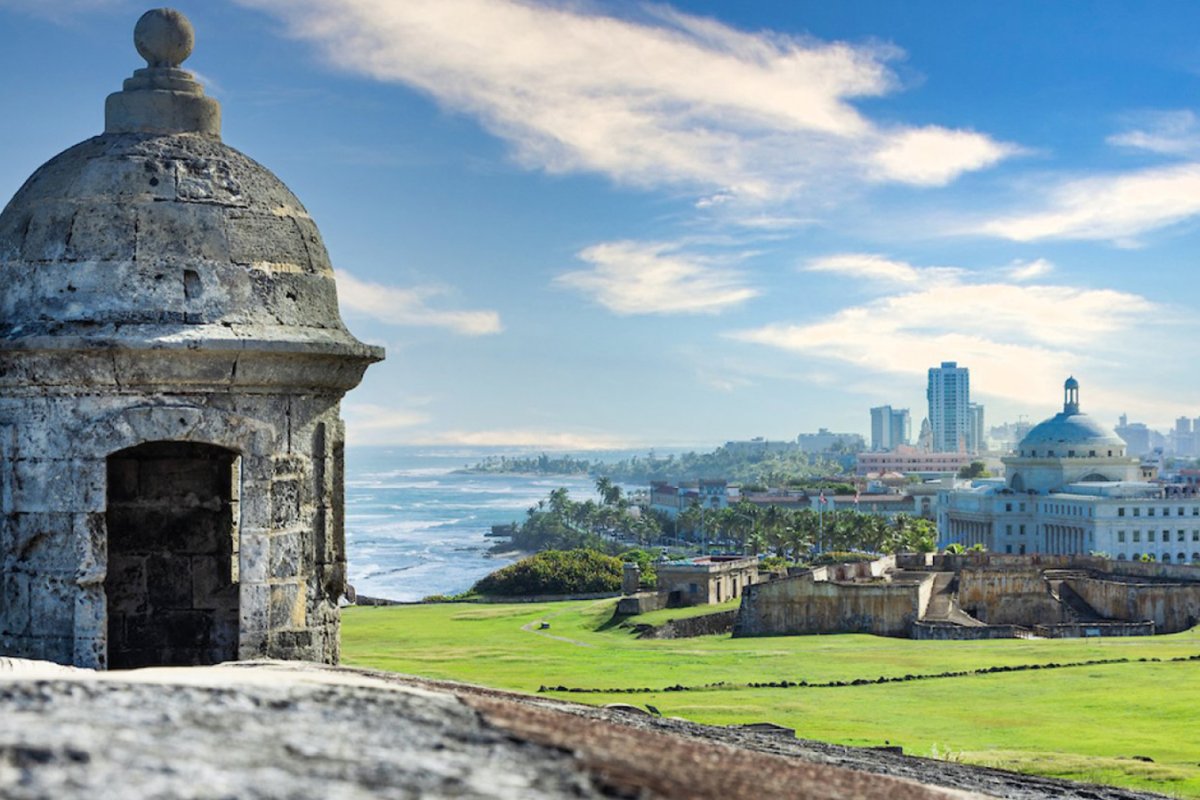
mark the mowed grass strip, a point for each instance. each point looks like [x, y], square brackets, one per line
[1084, 722]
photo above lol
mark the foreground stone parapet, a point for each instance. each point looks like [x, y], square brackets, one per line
[172, 362]
[275, 730]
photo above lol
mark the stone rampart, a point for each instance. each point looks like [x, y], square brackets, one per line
[803, 605]
[1172, 607]
[1008, 596]
[706, 625]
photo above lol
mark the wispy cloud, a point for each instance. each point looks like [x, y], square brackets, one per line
[1115, 207]
[1028, 270]
[1173, 133]
[410, 306]
[1017, 339]
[655, 278]
[367, 423]
[655, 98]
[867, 266]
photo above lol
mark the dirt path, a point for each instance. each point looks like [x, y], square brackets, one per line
[532, 627]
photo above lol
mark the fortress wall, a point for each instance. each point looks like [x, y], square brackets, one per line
[1172, 607]
[1009, 596]
[801, 605]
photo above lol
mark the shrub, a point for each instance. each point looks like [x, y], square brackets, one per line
[555, 572]
[645, 562]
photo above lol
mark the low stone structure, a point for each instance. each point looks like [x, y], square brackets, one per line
[172, 362]
[977, 596]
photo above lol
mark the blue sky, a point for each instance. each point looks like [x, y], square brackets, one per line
[587, 224]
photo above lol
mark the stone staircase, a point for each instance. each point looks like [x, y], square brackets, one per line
[1076, 607]
[943, 604]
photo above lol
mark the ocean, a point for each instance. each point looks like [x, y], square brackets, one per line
[416, 527]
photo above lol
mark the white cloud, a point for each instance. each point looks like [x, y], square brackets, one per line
[1028, 270]
[1173, 133]
[1109, 207]
[367, 423]
[655, 278]
[1017, 339]
[663, 100]
[934, 156]
[866, 266]
[396, 306]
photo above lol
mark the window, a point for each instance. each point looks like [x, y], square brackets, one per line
[1022, 530]
[1150, 512]
[1070, 454]
[1196, 536]
[1121, 537]
[1137, 537]
[1008, 506]
[1180, 537]
[1121, 512]
[1022, 508]
[1008, 530]
[1181, 557]
[1196, 511]
[1050, 453]
[1137, 512]
[1121, 557]
[1149, 536]
[1181, 511]
[1008, 549]
[1022, 552]
[1092, 453]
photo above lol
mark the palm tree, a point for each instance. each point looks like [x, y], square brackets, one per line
[603, 485]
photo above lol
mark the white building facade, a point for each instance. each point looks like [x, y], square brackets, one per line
[1072, 488]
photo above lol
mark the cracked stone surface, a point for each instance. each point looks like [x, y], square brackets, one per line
[274, 730]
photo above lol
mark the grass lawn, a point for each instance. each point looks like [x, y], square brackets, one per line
[1085, 722]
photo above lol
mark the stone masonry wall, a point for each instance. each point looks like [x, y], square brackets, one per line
[800, 605]
[1008, 596]
[53, 500]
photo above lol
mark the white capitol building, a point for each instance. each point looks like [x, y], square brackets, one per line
[1071, 488]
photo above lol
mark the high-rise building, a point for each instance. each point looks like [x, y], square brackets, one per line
[976, 436]
[949, 394]
[890, 427]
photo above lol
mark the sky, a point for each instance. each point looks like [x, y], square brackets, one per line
[586, 225]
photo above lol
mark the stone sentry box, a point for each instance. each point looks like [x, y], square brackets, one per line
[172, 362]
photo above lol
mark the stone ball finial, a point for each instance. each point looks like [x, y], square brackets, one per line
[164, 37]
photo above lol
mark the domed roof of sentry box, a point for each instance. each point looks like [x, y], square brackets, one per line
[159, 232]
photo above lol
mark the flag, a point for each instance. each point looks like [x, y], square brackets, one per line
[823, 501]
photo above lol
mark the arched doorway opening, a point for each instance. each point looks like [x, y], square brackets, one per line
[172, 581]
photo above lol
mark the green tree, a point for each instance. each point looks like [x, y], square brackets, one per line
[976, 469]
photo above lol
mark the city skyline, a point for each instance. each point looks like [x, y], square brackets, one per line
[603, 225]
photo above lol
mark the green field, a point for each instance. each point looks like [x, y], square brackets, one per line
[1081, 722]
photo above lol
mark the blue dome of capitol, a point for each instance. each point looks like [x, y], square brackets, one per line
[1071, 427]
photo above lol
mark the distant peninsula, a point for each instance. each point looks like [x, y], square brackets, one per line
[739, 465]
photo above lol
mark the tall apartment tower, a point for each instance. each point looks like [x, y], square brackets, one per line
[890, 427]
[976, 438]
[949, 395]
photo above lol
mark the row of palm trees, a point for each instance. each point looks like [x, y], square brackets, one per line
[796, 533]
